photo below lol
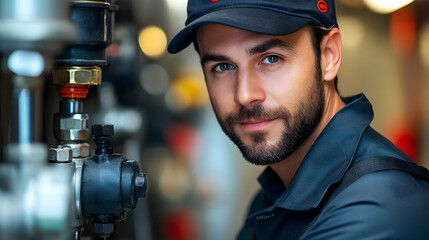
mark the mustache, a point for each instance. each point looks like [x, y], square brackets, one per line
[256, 112]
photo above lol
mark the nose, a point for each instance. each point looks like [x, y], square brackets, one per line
[249, 89]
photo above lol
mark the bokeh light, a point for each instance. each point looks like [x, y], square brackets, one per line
[186, 92]
[177, 5]
[154, 79]
[152, 41]
[386, 6]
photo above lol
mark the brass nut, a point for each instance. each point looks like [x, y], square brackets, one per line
[89, 1]
[77, 75]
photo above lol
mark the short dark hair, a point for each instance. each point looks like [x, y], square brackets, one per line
[317, 33]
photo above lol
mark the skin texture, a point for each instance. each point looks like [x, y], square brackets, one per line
[263, 88]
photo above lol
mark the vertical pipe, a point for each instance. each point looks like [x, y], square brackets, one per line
[25, 116]
[69, 106]
[26, 110]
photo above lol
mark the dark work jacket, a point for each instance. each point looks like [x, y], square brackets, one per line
[384, 205]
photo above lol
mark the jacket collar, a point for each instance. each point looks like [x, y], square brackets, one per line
[326, 161]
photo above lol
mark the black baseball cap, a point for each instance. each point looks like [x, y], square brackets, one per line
[272, 17]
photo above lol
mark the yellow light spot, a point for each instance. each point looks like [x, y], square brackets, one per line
[152, 41]
[187, 92]
[386, 6]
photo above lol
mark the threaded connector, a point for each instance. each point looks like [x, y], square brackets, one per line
[102, 134]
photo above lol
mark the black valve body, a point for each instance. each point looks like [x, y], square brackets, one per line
[108, 181]
[101, 187]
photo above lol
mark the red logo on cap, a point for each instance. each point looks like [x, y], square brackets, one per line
[322, 6]
[214, 0]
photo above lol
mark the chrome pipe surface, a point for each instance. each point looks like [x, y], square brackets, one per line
[23, 117]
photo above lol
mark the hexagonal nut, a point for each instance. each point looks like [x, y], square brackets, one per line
[73, 135]
[102, 130]
[103, 228]
[141, 185]
[77, 75]
[77, 121]
[80, 150]
[60, 154]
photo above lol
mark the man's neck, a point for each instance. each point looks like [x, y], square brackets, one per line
[287, 168]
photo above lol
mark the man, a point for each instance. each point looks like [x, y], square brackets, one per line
[271, 70]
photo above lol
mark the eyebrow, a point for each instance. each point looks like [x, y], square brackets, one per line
[273, 43]
[213, 58]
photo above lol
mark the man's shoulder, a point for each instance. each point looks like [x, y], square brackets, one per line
[373, 144]
[384, 188]
[389, 204]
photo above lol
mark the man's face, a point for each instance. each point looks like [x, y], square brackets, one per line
[266, 90]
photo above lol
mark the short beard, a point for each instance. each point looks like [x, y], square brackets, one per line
[297, 126]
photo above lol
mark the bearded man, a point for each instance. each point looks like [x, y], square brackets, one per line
[271, 72]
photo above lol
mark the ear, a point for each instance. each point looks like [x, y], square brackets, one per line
[331, 54]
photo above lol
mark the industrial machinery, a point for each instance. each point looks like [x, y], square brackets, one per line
[53, 194]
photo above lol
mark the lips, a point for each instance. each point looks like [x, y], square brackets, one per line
[255, 124]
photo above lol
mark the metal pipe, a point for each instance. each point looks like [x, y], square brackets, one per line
[26, 109]
[25, 116]
[23, 119]
[71, 106]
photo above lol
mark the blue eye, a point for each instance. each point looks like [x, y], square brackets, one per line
[223, 67]
[271, 59]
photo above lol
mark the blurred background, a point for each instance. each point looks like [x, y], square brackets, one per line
[200, 187]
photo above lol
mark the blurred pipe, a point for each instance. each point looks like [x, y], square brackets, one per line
[26, 110]
[23, 118]
[37, 203]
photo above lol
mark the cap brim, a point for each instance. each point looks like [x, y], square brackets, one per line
[250, 19]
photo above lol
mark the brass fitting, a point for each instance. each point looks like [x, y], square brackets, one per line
[77, 75]
[89, 1]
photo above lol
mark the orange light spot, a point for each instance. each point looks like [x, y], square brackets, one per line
[403, 31]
